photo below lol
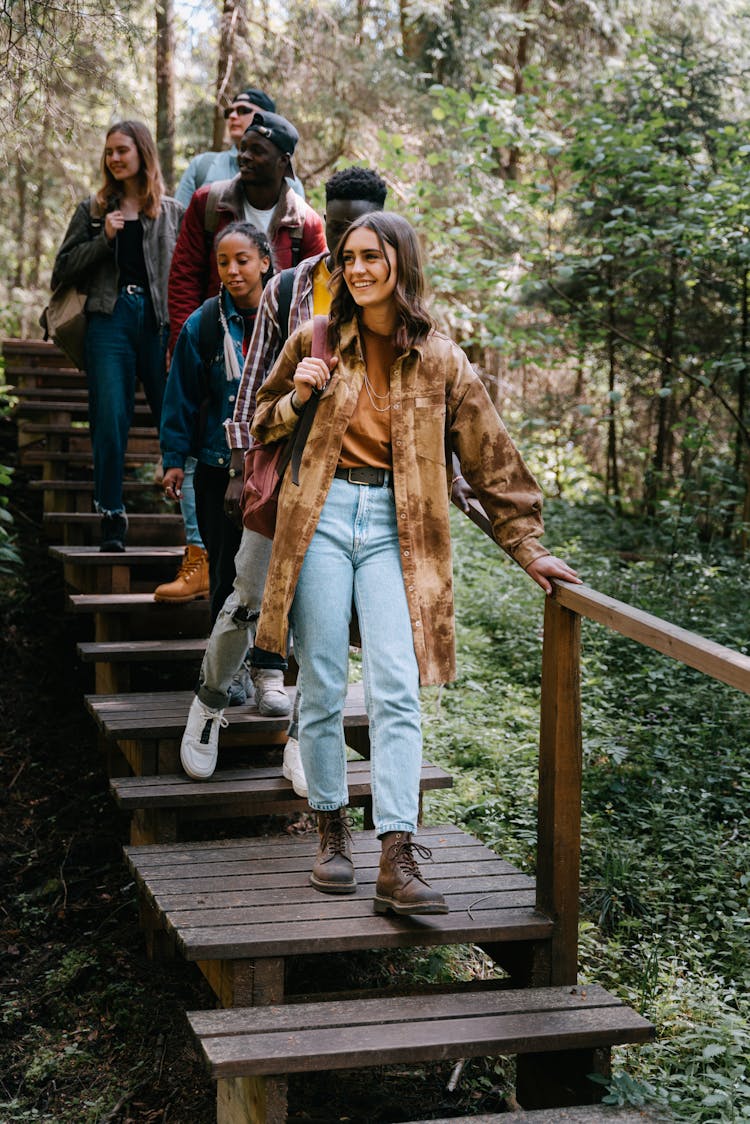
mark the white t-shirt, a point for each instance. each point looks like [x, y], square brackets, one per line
[261, 219]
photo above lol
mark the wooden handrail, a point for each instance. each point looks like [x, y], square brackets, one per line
[560, 738]
[714, 660]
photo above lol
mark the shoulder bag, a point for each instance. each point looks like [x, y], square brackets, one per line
[265, 465]
[64, 318]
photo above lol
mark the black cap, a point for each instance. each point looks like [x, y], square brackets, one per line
[256, 97]
[276, 129]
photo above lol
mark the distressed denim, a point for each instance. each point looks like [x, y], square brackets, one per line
[187, 505]
[234, 630]
[355, 554]
[120, 347]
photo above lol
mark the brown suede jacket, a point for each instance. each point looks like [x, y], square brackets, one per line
[430, 383]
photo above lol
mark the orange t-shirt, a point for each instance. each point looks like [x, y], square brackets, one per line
[367, 440]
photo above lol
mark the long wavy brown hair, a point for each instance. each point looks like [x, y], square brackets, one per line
[150, 182]
[414, 322]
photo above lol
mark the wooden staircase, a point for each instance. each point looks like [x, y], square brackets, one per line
[241, 908]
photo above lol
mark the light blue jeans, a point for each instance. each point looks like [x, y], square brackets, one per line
[187, 505]
[355, 553]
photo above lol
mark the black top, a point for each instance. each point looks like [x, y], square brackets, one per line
[130, 259]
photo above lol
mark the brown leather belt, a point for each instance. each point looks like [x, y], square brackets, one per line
[365, 474]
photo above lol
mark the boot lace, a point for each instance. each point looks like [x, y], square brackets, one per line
[402, 851]
[188, 567]
[336, 834]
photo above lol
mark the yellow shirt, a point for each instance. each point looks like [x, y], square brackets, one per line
[321, 295]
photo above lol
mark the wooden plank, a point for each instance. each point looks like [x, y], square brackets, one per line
[398, 1009]
[146, 651]
[164, 713]
[715, 660]
[462, 868]
[430, 1040]
[236, 784]
[133, 556]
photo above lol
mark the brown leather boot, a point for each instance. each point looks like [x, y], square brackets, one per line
[400, 885]
[191, 583]
[333, 872]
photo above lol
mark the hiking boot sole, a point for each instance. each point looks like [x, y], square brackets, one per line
[382, 905]
[181, 600]
[333, 887]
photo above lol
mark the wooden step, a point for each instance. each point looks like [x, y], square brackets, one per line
[77, 495]
[28, 407]
[81, 528]
[147, 727]
[142, 651]
[162, 806]
[50, 457]
[81, 429]
[244, 1046]
[241, 899]
[304, 1037]
[138, 570]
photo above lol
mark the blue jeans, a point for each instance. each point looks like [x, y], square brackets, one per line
[355, 554]
[121, 347]
[188, 506]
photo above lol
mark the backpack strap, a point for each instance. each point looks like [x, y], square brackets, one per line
[320, 350]
[286, 284]
[211, 217]
[209, 334]
[202, 167]
[296, 233]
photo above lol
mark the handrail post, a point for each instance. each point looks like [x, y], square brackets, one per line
[559, 817]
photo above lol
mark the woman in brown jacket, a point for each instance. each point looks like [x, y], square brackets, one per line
[368, 524]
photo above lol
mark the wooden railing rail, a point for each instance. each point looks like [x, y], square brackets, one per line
[560, 741]
[560, 744]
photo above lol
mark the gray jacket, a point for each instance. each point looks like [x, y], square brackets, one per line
[88, 259]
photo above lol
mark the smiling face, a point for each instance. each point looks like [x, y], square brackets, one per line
[121, 157]
[241, 267]
[369, 274]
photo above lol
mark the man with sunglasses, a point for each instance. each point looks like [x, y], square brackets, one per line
[208, 167]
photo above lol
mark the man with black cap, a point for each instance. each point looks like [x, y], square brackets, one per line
[258, 194]
[207, 167]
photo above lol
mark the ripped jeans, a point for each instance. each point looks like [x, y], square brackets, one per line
[234, 631]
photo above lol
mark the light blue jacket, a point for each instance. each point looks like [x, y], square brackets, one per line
[190, 387]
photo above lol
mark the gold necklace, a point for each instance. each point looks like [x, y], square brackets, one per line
[372, 394]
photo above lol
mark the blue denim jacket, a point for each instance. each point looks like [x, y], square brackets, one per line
[186, 390]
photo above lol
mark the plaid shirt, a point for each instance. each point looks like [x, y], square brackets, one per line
[265, 345]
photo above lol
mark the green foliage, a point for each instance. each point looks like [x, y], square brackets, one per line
[666, 807]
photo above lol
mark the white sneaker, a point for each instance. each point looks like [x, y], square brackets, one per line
[272, 699]
[200, 742]
[292, 767]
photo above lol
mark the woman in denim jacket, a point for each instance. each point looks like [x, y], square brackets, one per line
[118, 247]
[201, 392]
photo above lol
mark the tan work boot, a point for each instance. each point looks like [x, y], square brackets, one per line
[191, 583]
[333, 872]
[400, 885]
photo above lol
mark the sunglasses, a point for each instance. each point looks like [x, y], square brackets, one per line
[240, 110]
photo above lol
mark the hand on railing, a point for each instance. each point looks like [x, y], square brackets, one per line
[548, 566]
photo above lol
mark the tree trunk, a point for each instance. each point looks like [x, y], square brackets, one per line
[665, 405]
[612, 485]
[229, 74]
[21, 198]
[741, 450]
[165, 125]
